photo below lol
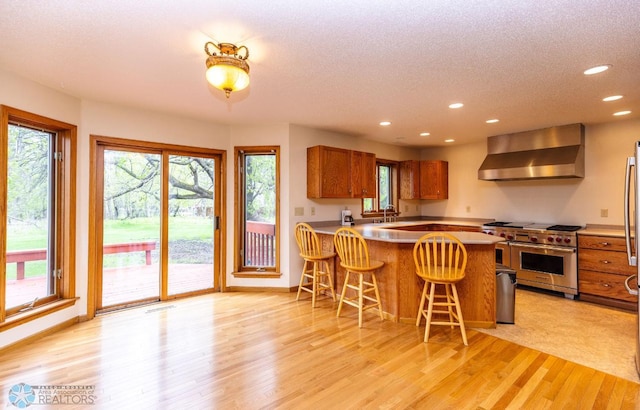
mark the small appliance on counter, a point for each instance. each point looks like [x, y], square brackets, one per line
[346, 218]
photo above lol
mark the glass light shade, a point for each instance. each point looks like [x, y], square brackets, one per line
[227, 77]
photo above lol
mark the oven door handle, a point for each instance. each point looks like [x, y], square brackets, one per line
[551, 248]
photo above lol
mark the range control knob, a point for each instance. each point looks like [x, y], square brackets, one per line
[489, 233]
[558, 239]
[510, 237]
[503, 235]
[567, 240]
[549, 238]
[534, 239]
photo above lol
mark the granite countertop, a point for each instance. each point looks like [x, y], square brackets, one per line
[383, 232]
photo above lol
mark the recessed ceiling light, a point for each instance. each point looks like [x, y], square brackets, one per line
[425, 134]
[492, 121]
[619, 113]
[385, 123]
[597, 69]
[612, 98]
[456, 105]
[449, 140]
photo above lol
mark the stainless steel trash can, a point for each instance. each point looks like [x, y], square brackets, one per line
[505, 294]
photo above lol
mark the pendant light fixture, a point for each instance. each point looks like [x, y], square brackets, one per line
[227, 68]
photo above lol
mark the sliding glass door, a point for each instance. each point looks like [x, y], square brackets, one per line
[158, 212]
[192, 217]
[131, 227]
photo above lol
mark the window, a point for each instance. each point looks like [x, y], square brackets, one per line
[38, 174]
[257, 211]
[386, 190]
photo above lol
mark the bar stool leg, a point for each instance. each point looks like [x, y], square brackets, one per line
[328, 273]
[314, 285]
[375, 289]
[459, 311]
[432, 295]
[344, 291]
[304, 270]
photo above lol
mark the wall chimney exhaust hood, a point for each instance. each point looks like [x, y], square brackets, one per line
[556, 152]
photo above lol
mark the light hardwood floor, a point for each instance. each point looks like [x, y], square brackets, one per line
[265, 350]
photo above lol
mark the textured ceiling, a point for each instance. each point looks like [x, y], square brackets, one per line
[342, 65]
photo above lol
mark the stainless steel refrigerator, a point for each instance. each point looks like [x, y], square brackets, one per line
[631, 202]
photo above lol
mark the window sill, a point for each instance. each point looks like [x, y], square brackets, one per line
[379, 214]
[256, 274]
[33, 314]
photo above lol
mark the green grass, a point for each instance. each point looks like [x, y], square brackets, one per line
[115, 231]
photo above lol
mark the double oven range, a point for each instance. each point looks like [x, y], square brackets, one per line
[543, 255]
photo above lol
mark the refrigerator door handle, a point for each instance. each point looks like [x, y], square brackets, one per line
[626, 285]
[631, 162]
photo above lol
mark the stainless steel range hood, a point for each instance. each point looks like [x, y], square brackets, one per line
[556, 152]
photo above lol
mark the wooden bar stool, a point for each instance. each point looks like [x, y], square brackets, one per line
[440, 259]
[316, 266]
[354, 258]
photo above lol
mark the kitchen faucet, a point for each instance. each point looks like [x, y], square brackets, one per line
[384, 212]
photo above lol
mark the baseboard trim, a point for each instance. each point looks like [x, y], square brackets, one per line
[40, 335]
[259, 289]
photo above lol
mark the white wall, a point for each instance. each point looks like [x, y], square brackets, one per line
[568, 201]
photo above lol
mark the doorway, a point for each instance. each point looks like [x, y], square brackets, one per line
[156, 223]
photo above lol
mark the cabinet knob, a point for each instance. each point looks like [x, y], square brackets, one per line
[605, 243]
[605, 262]
[606, 285]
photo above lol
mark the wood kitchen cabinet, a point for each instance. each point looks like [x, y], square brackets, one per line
[363, 175]
[340, 173]
[410, 180]
[602, 271]
[424, 180]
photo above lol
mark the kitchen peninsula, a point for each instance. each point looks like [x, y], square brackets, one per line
[400, 287]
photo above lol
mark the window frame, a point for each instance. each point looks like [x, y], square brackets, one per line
[240, 269]
[65, 214]
[394, 180]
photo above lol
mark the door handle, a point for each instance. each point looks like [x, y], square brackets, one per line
[631, 163]
[626, 285]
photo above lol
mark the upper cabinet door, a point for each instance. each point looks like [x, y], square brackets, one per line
[410, 180]
[363, 175]
[434, 180]
[328, 172]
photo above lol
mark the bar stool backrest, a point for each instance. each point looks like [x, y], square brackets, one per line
[352, 248]
[440, 256]
[307, 241]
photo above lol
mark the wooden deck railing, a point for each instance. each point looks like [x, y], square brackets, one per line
[20, 257]
[260, 249]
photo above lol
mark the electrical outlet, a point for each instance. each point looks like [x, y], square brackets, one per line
[468, 209]
[406, 208]
[298, 211]
[604, 213]
[313, 210]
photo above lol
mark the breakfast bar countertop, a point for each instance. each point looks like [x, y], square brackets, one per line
[389, 232]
